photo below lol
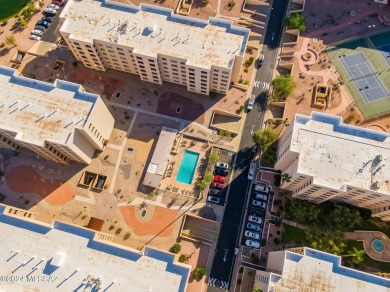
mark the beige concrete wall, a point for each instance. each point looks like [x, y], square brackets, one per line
[276, 261]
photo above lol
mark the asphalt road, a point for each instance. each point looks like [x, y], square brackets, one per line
[52, 33]
[224, 260]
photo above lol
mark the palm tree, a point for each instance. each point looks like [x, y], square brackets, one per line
[284, 123]
[284, 177]
[356, 254]
[10, 40]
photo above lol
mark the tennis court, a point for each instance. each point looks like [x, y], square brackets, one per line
[364, 77]
[385, 50]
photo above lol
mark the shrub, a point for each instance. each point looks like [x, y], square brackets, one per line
[4, 22]
[250, 50]
[126, 236]
[213, 95]
[249, 61]
[2, 44]
[183, 258]
[250, 273]
[246, 82]
[249, 25]
[155, 92]
[111, 227]
[241, 108]
[276, 240]
[240, 270]
[74, 63]
[246, 70]
[263, 242]
[239, 281]
[118, 231]
[198, 273]
[175, 248]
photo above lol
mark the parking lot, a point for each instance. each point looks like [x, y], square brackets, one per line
[217, 190]
[51, 33]
[255, 217]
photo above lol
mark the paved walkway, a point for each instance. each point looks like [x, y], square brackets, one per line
[367, 237]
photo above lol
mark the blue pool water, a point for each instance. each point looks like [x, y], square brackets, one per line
[378, 245]
[187, 167]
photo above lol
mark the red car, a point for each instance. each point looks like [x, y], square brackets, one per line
[220, 179]
[217, 185]
[56, 3]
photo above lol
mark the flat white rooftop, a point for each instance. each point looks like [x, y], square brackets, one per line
[337, 154]
[151, 30]
[320, 271]
[40, 111]
[65, 257]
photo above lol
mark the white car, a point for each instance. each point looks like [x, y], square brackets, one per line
[35, 37]
[261, 188]
[250, 102]
[252, 170]
[262, 197]
[222, 165]
[251, 234]
[255, 219]
[37, 32]
[53, 6]
[252, 243]
[253, 227]
[259, 204]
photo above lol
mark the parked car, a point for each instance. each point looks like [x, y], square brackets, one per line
[39, 27]
[252, 170]
[213, 199]
[252, 243]
[222, 165]
[35, 37]
[260, 196]
[43, 23]
[53, 6]
[37, 32]
[255, 219]
[217, 185]
[221, 171]
[47, 19]
[215, 192]
[260, 61]
[251, 101]
[259, 204]
[252, 226]
[220, 179]
[49, 11]
[261, 188]
[251, 234]
[56, 3]
[257, 211]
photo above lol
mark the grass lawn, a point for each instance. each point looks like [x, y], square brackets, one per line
[293, 234]
[9, 8]
[369, 262]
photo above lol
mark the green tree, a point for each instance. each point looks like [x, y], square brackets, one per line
[198, 273]
[208, 177]
[175, 248]
[284, 123]
[285, 177]
[356, 254]
[296, 20]
[283, 86]
[23, 22]
[265, 138]
[328, 240]
[41, 4]
[201, 185]
[256, 288]
[213, 158]
[10, 40]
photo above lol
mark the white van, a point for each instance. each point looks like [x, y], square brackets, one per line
[252, 170]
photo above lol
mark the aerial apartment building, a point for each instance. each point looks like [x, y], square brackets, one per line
[307, 269]
[330, 160]
[60, 121]
[64, 257]
[155, 44]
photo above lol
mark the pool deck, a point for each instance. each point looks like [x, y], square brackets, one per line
[368, 237]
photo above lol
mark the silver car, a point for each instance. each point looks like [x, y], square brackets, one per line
[250, 103]
[251, 234]
[259, 204]
[37, 32]
[255, 219]
[252, 243]
[262, 197]
[35, 37]
[261, 188]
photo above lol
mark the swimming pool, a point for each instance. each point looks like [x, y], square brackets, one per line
[187, 167]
